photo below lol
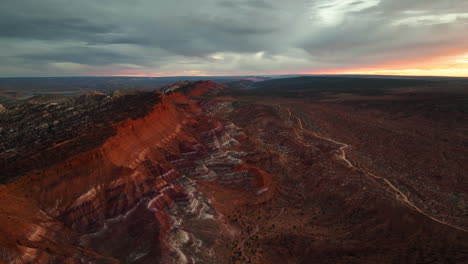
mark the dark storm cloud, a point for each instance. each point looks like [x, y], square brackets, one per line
[46, 28]
[219, 37]
[81, 55]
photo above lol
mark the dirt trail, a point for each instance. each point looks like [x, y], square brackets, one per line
[342, 156]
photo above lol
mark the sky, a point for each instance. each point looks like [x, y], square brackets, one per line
[242, 37]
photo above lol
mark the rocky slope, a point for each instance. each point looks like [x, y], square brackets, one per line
[108, 180]
[193, 175]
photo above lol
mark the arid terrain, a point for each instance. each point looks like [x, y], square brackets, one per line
[297, 170]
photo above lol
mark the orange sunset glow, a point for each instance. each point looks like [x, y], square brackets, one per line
[450, 66]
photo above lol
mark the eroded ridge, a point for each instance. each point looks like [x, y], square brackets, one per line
[203, 176]
[133, 196]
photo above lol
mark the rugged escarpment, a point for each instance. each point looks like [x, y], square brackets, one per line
[36, 135]
[126, 192]
[196, 174]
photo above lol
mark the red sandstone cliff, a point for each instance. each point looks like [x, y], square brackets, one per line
[79, 209]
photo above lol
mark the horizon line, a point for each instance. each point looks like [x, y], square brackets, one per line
[244, 76]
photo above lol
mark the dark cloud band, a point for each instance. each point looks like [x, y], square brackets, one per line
[223, 37]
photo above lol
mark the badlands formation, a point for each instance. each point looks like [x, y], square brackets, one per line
[193, 174]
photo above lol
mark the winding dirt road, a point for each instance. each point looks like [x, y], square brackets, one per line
[342, 156]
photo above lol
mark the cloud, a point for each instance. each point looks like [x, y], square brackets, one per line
[64, 37]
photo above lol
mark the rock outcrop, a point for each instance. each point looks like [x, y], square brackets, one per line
[196, 174]
[121, 189]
